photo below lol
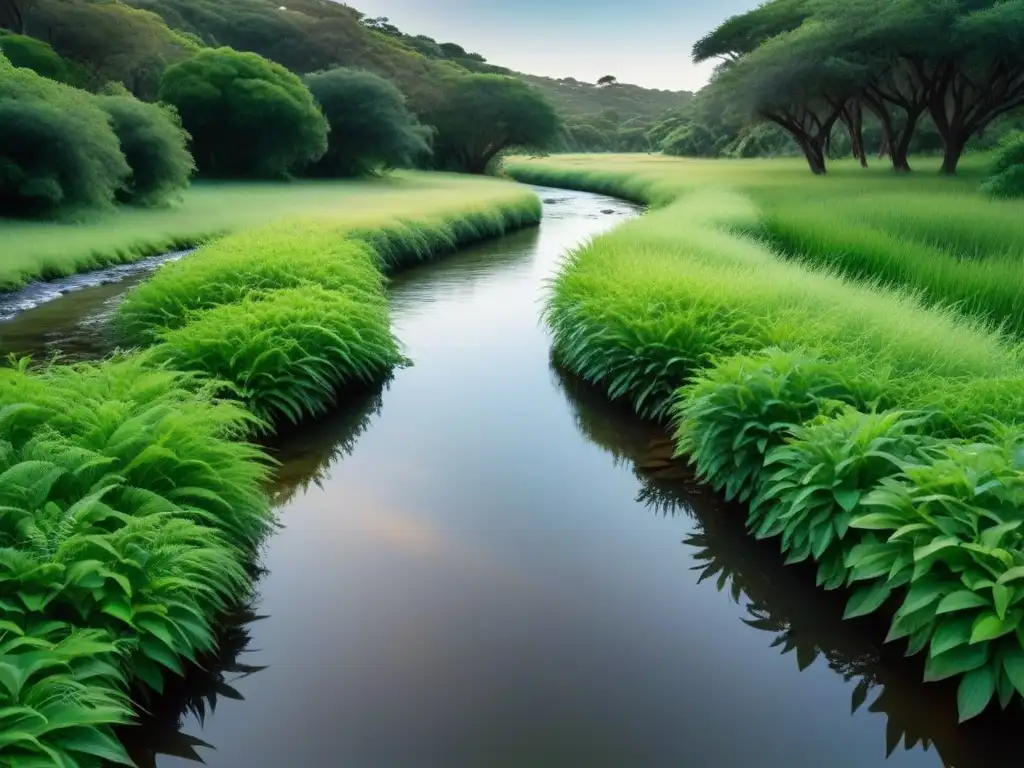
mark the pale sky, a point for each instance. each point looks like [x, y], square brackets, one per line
[646, 42]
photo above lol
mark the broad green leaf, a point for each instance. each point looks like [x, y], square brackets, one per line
[961, 659]
[989, 626]
[975, 692]
[867, 600]
[847, 498]
[1013, 666]
[961, 601]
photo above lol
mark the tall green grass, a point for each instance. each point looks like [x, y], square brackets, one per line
[46, 250]
[872, 423]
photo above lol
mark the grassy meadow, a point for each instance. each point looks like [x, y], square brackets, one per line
[32, 250]
[843, 353]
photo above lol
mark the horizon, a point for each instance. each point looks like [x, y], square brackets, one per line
[640, 44]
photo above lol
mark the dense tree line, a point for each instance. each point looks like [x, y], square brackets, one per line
[952, 67]
[139, 96]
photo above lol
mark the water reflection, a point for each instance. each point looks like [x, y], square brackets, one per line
[782, 601]
[160, 728]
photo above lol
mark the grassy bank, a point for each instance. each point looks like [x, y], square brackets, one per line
[35, 250]
[132, 502]
[871, 429]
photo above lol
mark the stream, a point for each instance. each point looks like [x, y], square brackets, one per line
[485, 564]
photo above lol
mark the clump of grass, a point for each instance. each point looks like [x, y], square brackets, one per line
[285, 255]
[286, 353]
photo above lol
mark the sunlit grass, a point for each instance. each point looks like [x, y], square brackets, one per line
[31, 250]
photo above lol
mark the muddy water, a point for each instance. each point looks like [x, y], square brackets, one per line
[485, 565]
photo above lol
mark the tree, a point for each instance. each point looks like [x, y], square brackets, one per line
[484, 115]
[113, 42]
[794, 81]
[36, 55]
[607, 80]
[154, 144]
[57, 149]
[371, 128]
[14, 14]
[247, 116]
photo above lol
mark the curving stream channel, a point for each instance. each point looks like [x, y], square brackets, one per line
[484, 564]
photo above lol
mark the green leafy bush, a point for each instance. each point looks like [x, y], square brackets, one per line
[1006, 176]
[814, 484]
[225, 272]
[372, 130]
[56, 147]
[61, 695]
[733, 414]
[247, 116]
[155, 146]
[949, 533]
[287, 353]
[128, 507]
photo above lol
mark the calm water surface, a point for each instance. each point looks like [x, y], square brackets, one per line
[485, 565]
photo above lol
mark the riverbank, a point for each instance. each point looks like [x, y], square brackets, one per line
[45, 250]
[148, 453]
[689, 318]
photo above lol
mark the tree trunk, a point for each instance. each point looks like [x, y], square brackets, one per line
[814, 152]
[954, 149]
[853, 118]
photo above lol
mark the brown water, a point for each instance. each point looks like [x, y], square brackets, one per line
[486, 565]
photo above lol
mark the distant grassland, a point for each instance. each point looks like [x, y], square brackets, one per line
[47, 250]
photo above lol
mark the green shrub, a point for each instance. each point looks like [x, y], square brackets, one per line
[56, 147]
[287, 353]
[372, 130]
[225, 272]
[155, 146]
[814, 484]
[731, 415]
[128, 507]
[61, 695]
[247, 116]
[949, 532]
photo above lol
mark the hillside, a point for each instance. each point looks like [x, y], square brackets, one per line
[132, 41]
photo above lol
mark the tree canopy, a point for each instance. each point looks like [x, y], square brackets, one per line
[247, 116]
[483, 115]
[372, 129]
[58, 150]
[806, 64]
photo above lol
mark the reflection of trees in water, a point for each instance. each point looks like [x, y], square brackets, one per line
[784, 601]
[306, 454]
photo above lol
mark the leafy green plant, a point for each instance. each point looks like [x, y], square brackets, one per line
[287, 353]
[814, 484]
[732, 415]
[949, 533]
[59, 695]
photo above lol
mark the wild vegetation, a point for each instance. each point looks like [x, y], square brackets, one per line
[871, 423]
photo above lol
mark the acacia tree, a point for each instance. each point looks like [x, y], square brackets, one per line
[794, 82]
[484, 115]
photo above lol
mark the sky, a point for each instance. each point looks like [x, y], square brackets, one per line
[646, 42]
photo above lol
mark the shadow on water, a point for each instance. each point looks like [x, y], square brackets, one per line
[783, 601]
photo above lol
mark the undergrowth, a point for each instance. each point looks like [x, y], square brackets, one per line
[864, 398]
